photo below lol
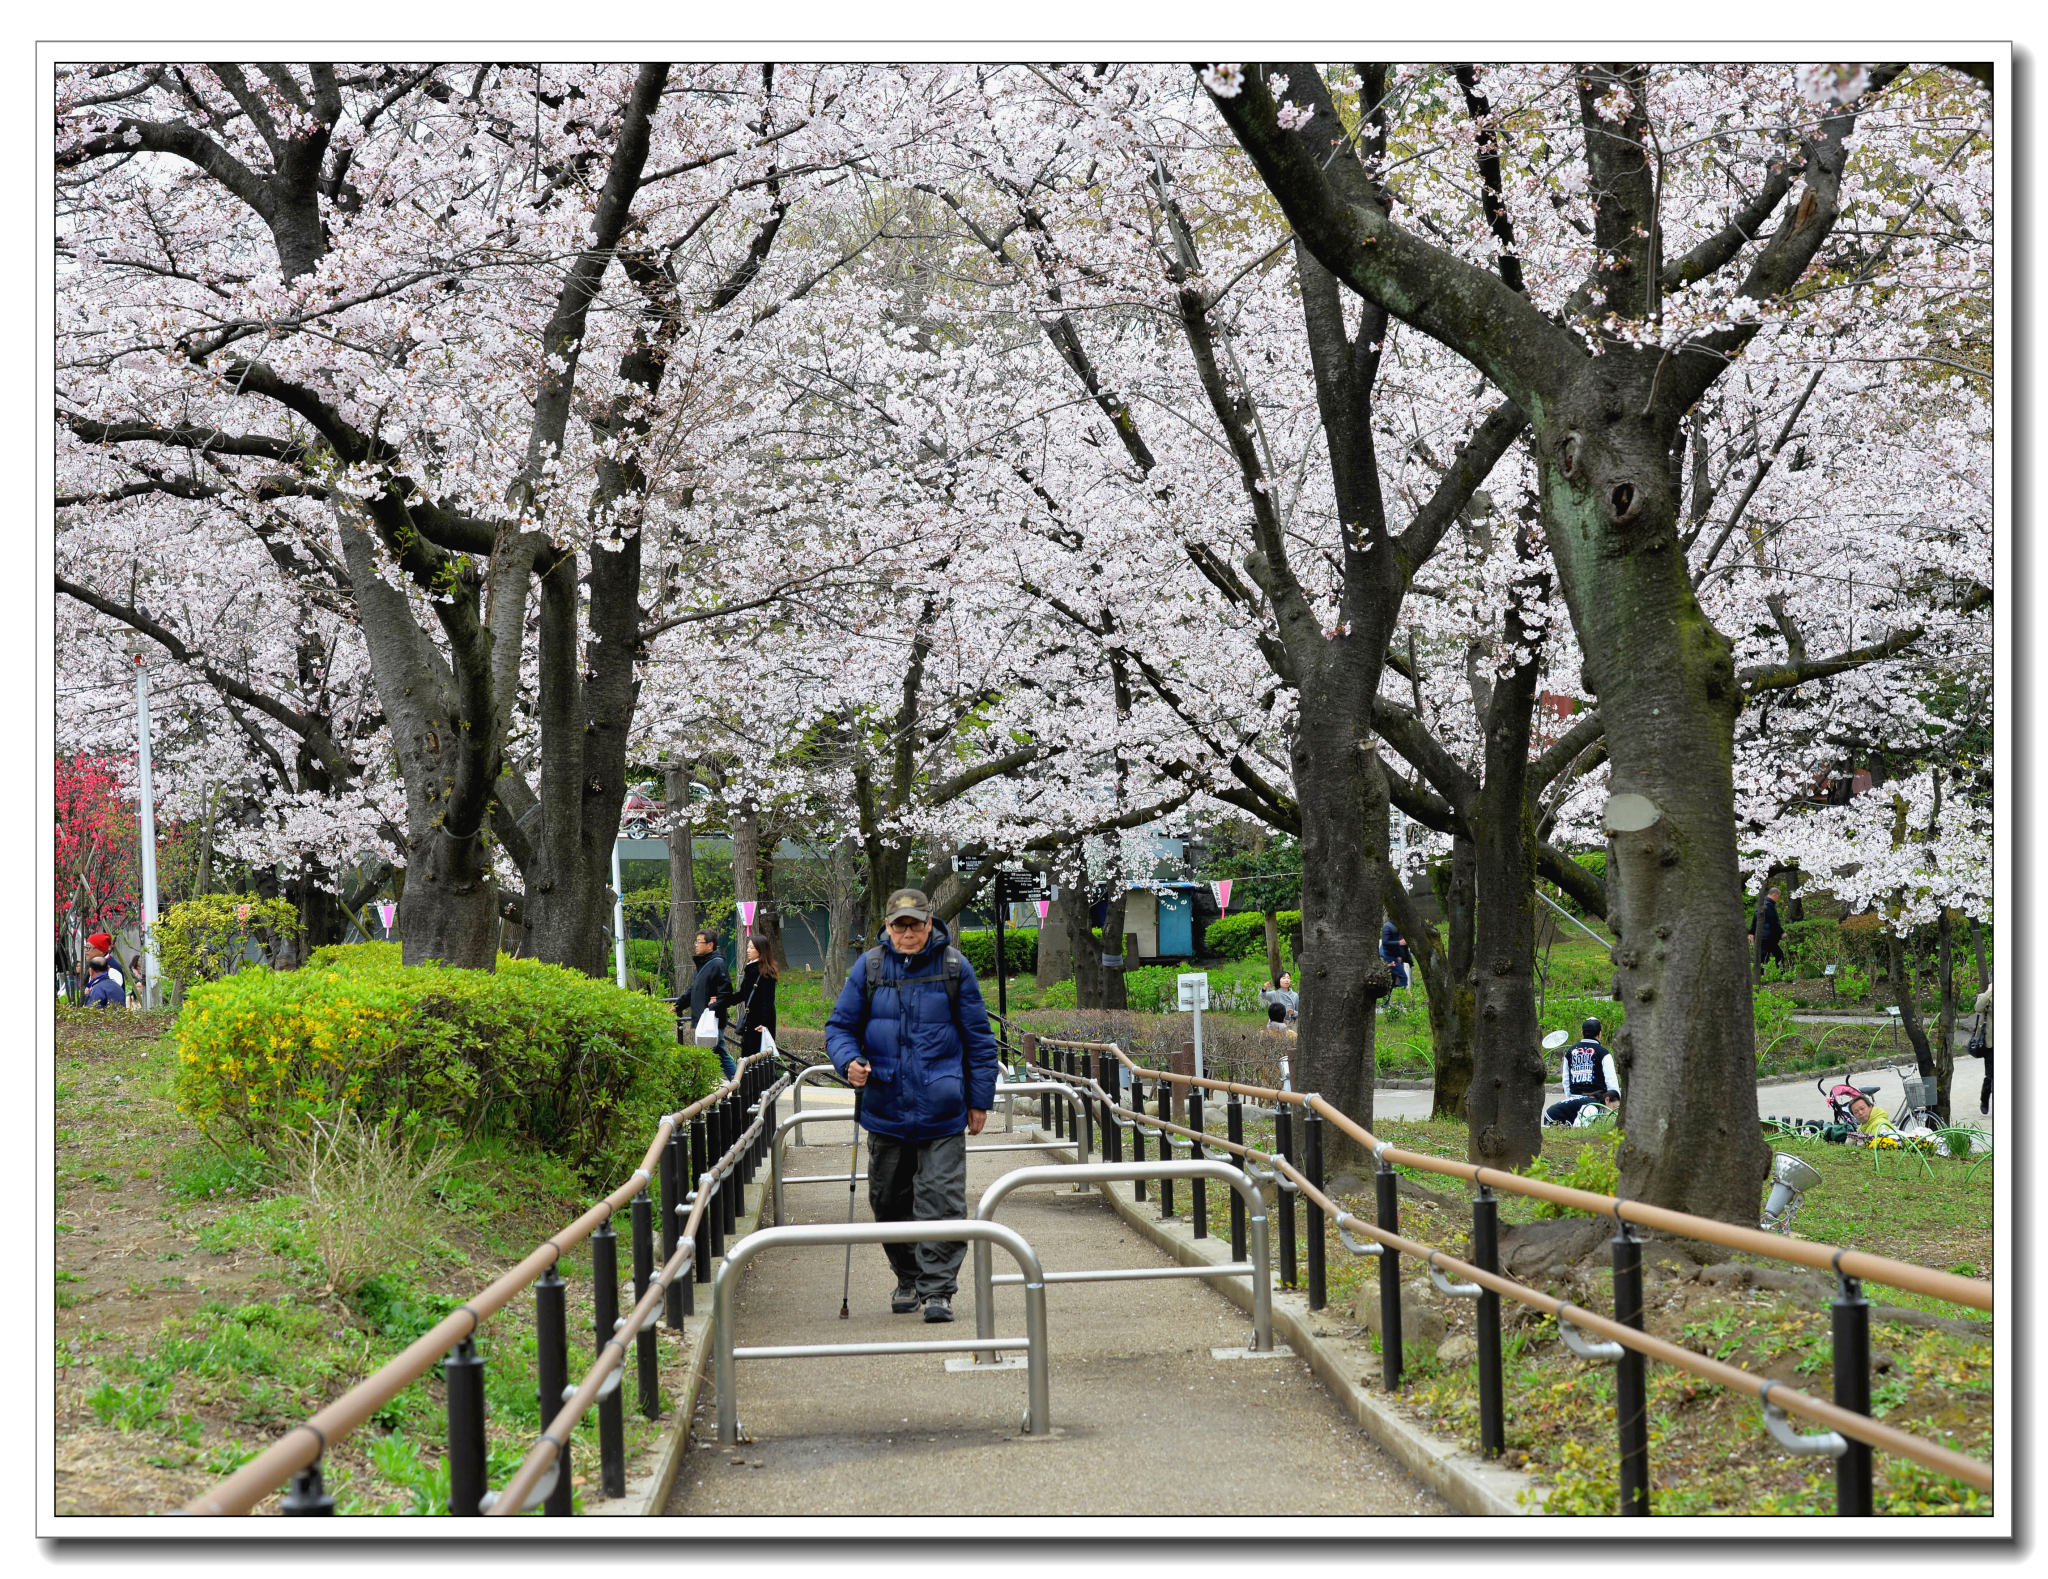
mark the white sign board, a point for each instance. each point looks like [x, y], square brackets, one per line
[1194, 990]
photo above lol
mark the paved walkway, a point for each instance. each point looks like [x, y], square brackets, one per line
[1146, 1421]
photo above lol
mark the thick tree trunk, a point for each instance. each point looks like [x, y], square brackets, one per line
[1665, 683]
[746, 878]
[1272, 919]
[1909, 1007]
[682, 874]
[1082, 950]
[451, 904]
[1055, 949]
[768, 920]
[1504, 1108]
[1945, 1024]
[1113, 942]
[1342, 791]
[843, 917]
[1443, 958]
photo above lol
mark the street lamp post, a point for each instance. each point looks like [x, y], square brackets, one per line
[148, 825]
[618, 917]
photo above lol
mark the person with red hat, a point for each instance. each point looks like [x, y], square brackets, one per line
[102, 944]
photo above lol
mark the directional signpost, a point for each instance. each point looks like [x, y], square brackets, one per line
[1011, 888]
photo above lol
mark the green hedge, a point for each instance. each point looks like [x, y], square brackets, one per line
[1243, 936]
[1812, 946]
[1020, 950]
[535, 1050]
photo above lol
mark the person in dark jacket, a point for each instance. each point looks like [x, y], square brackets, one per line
[927, 1078]
[101, 988]
[756, 998]
[1768, 933]
[710, 988]
[1395, 951]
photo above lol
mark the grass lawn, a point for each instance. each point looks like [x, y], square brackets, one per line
[192, 1325]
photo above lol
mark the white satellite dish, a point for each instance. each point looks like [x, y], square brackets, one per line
[1556, 1039]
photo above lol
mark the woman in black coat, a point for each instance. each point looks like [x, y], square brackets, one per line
[757, 998]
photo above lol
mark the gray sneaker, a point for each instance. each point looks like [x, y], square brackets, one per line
[906, 1299]
[938, 1308]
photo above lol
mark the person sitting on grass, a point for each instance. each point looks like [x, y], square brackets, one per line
[102, 987]
[1867, 1115]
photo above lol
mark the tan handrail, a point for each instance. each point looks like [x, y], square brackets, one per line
[1852, 1263]
[1971, 1292]
[613, 1354]
[307, 1441]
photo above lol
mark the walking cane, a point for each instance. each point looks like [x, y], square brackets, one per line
[852, 1168]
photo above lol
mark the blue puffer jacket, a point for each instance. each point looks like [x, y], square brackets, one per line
[921, 1082]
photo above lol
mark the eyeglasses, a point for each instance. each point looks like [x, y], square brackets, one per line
[906, 924]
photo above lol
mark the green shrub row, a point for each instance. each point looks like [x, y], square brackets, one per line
[1243, 936]
[577, 1066]
[1020, 950]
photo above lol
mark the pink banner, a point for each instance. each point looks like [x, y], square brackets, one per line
[385, 913]
[1222, 887]
[747, 912]
[1043, 906]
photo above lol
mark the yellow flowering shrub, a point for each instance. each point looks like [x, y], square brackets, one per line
[537, 1050]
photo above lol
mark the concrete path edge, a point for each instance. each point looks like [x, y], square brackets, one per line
[1461, 1477]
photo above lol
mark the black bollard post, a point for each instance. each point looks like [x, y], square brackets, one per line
[611, 1409]
[1854, 1495]
[673, 1189]
[1486, 1256]
[643, 1278]
[700, 1159]
[1197, 1188]
[1112, 1130]
[1233, 1131]
[308, 1495]
[468, 1461]
[1137, 1133]
[1312, 1165]
[1390, 1276]
[1283, 1143]
[1631, 1386]
[551, 1336]
[1165, 1147]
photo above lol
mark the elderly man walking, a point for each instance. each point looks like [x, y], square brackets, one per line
[910, 1033]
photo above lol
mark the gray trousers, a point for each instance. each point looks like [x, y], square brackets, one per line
[915, 1180]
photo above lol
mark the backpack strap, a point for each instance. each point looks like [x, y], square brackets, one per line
[950, 973]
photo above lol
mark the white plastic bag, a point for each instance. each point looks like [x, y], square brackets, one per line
[706, 1034]
[767, 1040]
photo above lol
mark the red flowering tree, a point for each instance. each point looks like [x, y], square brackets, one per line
[97, 852]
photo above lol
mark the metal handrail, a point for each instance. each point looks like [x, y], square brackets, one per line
[1100, 1172]
[1859, 1264]
[778, 1145]
[1849, 1265]
[304, 1445]
[1038, 1414]
[547, 1448]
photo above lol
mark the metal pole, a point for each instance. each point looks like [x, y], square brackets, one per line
[1112, 1130]
[1137, 1134]
[643, 1275]
[1851, 1313]
[1283, 1142]
[308, 1495]
[1199, 1188]
[1631, 1386]
[551, 1334]
[1312, 1165]
[671, 1224]
[468, 1471]
[1199, 1074]
[700, 1160]
[151, 993]
[1486, 1256]
[1002, 963]
[1390, 1276]
[618, 917]
[1233, 1128]
[611, 1409]
[1165, 1148]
